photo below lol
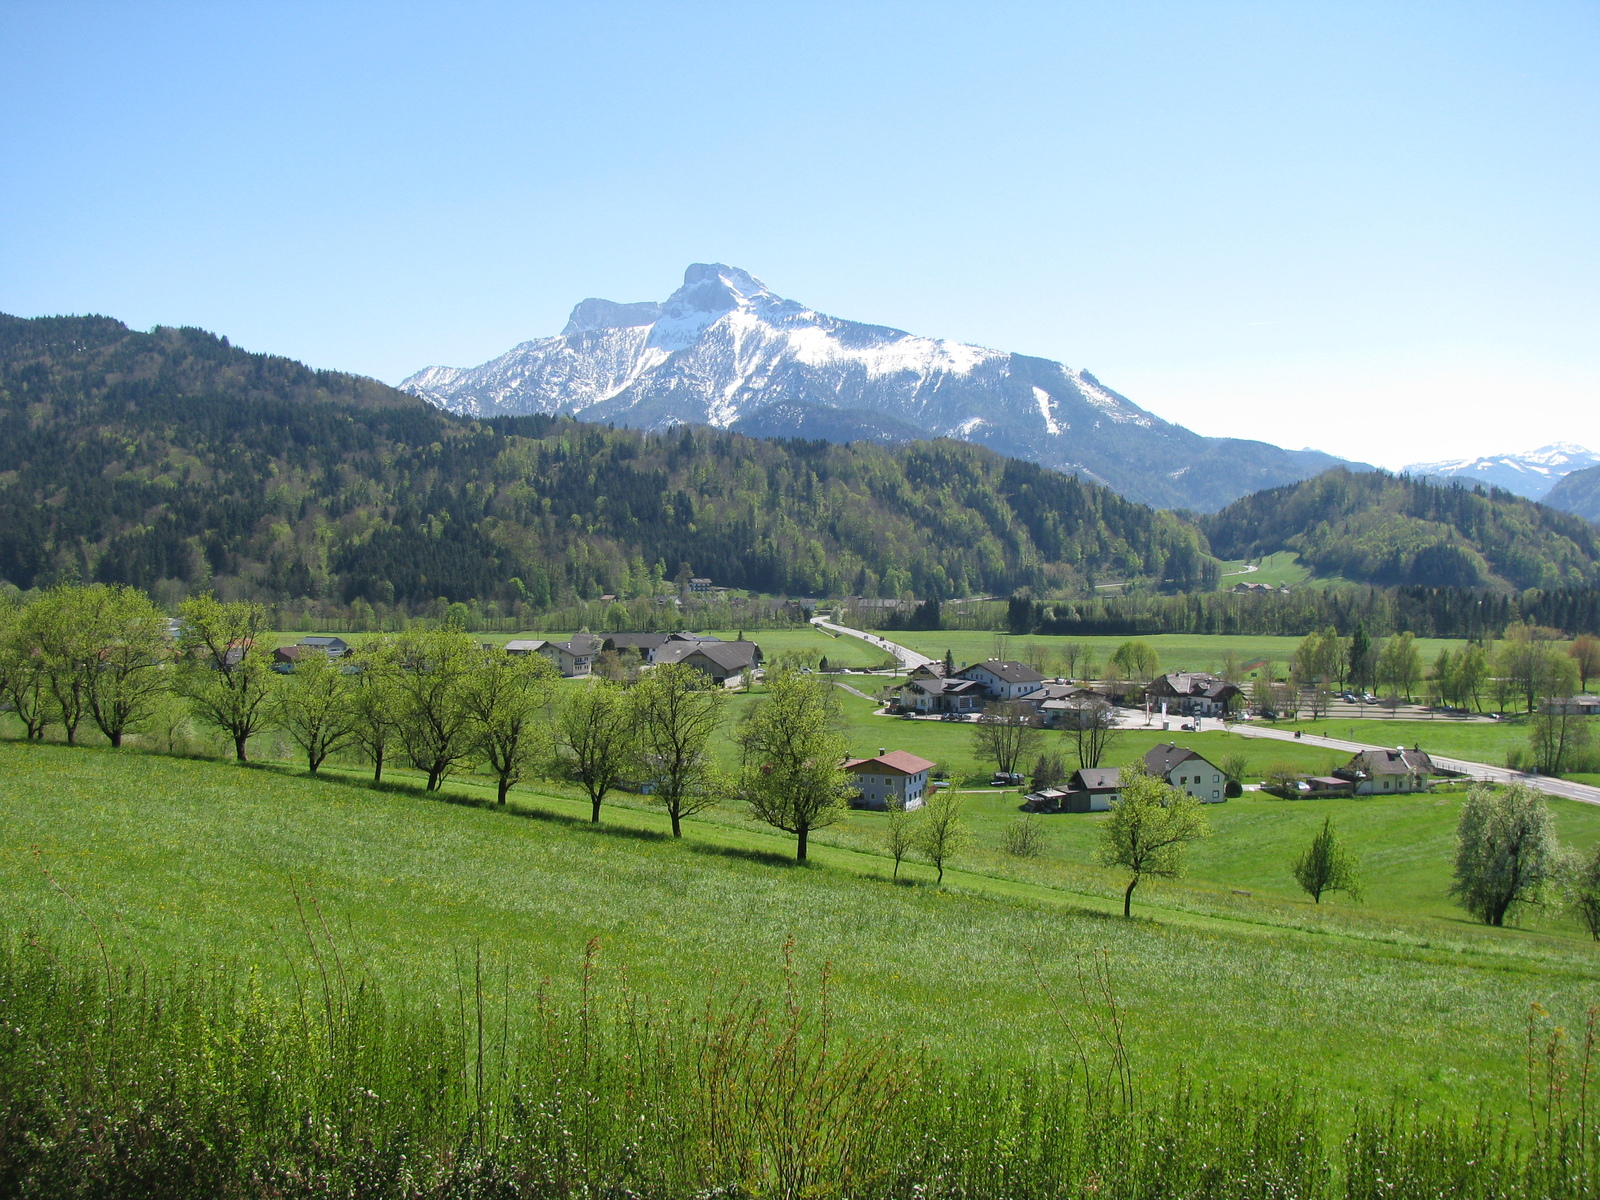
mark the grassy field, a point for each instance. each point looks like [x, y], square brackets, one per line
[1283, 569]
[203, 858]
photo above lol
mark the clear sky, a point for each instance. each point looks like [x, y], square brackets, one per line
[1369, 228]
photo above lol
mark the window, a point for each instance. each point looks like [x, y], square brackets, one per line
[1216, 795]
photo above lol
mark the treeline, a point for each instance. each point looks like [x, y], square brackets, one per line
[1392, 531]
[173, 462]
[1474, 614]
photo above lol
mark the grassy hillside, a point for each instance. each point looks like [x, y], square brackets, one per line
[1396, 531]
[202, 858]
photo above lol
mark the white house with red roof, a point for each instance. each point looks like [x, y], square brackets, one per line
[892, 775]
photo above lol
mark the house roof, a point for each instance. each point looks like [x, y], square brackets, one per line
[730, 656]
[1008, 672]
[1191, 683]
[1398, 761]
[1096, 779]
[895, 760]
[524, 645]
[1159, 760]
[636, 641]
[945, 687]
[322, 640]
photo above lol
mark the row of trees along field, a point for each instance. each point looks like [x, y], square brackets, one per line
[435, 699]
[1447, 612]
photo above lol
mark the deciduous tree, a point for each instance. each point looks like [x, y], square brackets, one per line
[314, 707]
[942, 833]
[900, 833]
[133, 650]
[1585, 655]
[1506, 855]
[507, 696]
[594, 732]
[1005, 734]
[678, 710]
[792, 748]
[225, 672]
[436, 724]
[1150, 826]
[1095, 733]
[1326, 866]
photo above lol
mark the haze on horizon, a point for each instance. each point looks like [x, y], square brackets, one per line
[1365, 228]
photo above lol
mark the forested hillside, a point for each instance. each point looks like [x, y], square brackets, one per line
[1398, 531]
[1578, 493]
[175, 462]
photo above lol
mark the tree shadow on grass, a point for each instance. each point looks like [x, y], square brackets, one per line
[766, 858]
[518, 807]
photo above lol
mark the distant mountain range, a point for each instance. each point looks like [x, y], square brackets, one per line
[726, 352]
[1531, 473]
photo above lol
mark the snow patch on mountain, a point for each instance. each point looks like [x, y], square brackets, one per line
[723, 347]
[1530, 473]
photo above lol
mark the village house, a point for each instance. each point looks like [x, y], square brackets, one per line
[720, 661]
[1571, 706]
[892, 775]
[1003, 680]
[698, 584]
[1388, 772]
[1096, 789]
[929, 695]
[574, 659]
[1192, 693]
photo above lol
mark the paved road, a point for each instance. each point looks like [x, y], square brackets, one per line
[1581, 792]
[909, 658]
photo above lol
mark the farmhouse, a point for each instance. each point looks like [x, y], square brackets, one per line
[929, 695]
[645, 643]
[333, 647]
[720, 661]
[1003, 680]
[892, 775]
[1192, 693]
[1096, 789]
[1182, 768]
[1388, 772]
[574, 659]
[1089, 789]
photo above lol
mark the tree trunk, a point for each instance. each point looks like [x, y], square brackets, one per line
[677, 830]
[1127, 897]
[800, 845]
[594, 811]
[505, 786]
[377, 768]
[238, 745]
[433, 778]
[116, 740]
[313, 761]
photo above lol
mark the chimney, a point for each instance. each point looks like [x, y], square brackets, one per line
[882, 750]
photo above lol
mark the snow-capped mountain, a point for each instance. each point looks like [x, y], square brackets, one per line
[1531, 473]
[726, 352]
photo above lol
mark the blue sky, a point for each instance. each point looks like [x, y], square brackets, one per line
[1369, 228]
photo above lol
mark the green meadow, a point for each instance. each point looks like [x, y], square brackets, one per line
[195, 859]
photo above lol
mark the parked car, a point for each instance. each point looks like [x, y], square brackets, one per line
[1000, 779]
